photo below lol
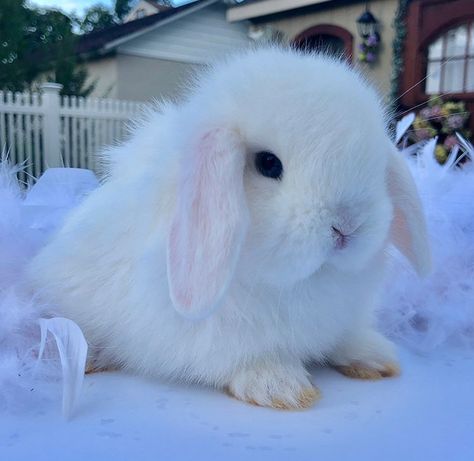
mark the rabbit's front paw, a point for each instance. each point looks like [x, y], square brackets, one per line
[285, 387]
[361, 371]
[366, 356]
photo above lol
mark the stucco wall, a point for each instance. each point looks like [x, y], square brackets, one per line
[144, 78]
[103, 73]
[346, 16]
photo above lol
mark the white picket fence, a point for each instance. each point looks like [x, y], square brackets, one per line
[42, 130]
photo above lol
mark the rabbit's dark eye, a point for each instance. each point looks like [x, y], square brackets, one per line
[268, 165]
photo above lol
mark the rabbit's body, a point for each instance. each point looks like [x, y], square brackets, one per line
[128, 255]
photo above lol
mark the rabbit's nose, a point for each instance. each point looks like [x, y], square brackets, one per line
[342, 234]
[340, 239]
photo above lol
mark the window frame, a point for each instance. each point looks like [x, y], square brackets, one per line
[444, 58]
[426, 21]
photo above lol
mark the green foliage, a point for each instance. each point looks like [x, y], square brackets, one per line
[36, 43]
[40, 43]
[97, 17]
[399, 25]
[121, 8]
[13, 44]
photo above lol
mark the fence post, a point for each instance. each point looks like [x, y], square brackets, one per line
[51, 125]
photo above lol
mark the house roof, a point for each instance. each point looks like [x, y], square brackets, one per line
[265, 10]
[105, 40]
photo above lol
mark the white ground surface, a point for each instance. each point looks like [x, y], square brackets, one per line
[426, 414]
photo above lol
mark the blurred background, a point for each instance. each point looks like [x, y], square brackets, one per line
[108, 58]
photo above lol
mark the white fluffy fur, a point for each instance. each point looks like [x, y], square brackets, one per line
[293, 297]
[438, 310]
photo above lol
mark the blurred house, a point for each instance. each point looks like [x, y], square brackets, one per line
[150, 56]
[426, 47]
[408, 48]
[325, 25]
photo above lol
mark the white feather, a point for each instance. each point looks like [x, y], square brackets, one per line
[72, 348]
[438, 310]
[403, 125]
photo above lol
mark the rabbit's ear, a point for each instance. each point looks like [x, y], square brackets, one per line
[408, 231]
[209, 225]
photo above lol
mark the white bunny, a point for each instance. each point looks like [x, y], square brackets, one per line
[242, 234]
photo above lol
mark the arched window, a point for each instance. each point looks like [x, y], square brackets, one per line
[326, 38]
[324, 42]
[450, 61]
[439, 53]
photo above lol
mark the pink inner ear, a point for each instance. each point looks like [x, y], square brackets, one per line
[408, 231]
[209, 224]
[401, 235]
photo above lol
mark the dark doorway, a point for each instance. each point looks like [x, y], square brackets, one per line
[324, 43]
[326, 38]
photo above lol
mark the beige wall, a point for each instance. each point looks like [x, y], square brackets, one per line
[103, 73]
[346, 16]
[144, 78]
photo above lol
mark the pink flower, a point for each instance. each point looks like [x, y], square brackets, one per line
[423, 133]
[425, 113]
[436, 111]
[370, 57]
[455, 121]
[450, 142]
[372, 40]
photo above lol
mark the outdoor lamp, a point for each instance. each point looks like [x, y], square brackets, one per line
[367, 24]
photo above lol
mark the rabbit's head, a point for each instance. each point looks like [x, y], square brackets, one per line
[286, 169]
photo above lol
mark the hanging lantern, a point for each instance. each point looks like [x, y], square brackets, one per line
[367, 24]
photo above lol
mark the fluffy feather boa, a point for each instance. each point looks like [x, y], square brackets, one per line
[422, 314]
[425, 314]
